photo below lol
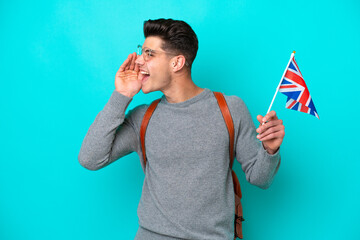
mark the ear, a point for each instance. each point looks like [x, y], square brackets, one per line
[177, 63]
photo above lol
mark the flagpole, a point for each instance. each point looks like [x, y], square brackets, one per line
[277, 89]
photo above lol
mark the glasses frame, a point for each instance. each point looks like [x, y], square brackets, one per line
[140, 51]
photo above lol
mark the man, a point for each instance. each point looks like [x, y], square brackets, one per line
[188, 188]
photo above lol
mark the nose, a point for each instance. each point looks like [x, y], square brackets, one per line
[140, 60]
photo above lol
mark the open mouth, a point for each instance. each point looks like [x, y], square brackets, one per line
[144, 76]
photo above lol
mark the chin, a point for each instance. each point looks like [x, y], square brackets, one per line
[145, 90]
[149, 89]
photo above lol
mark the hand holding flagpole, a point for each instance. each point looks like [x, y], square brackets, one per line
[271, 130]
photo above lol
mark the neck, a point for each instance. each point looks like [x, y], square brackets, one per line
[181, 89]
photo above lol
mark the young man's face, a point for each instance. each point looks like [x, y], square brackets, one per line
[158, 65]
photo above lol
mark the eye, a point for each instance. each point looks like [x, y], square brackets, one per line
[148, 52]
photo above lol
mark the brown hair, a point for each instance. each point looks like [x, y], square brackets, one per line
[177, 35]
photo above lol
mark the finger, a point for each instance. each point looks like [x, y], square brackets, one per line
[270, 131]
[137, 68]
[268, 125]
[132, 64]
[270, 115]
[123, 66]
[129, 63]
[278, 134]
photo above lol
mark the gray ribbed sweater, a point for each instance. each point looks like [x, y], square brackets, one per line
[188, 189]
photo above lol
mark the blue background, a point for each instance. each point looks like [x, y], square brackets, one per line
[58, 61]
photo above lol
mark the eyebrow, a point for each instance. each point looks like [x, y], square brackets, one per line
[152, 48]
[153, 51]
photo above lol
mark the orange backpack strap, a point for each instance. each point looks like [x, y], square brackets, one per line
[229, 122]
[230, 126]
[144, 125]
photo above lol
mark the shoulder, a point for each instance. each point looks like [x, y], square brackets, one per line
[238, 109]
[231, 99]
[234, 100]
[136, 115]
[235, 103]
[138, 111]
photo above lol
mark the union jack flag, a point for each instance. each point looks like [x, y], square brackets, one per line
[294, 87]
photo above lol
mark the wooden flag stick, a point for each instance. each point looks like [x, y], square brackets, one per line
[277, 89]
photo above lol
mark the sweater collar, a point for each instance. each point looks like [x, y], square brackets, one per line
[192, 100]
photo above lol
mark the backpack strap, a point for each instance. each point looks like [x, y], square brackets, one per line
[144, 125]
[229, 123]
[230, 126]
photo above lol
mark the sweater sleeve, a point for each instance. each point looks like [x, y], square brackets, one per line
[111, 135]
[258, 165]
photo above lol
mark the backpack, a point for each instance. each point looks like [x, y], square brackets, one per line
[230, 126]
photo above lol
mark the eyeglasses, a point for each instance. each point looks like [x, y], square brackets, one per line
[148, 53]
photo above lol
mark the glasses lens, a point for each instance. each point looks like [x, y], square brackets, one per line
[139, 49]
[144, 52]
